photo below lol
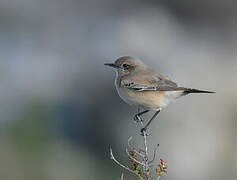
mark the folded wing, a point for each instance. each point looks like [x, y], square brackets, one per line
[149, 82]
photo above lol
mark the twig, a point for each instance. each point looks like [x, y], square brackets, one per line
[146, 157]
[141, 166]
[158, 177]
[154, 154]
[146, 167]
[123, 166]
[121, 177]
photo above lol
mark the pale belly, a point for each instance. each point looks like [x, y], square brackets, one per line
[152, 100]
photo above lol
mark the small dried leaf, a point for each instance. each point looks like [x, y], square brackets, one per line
[162, 168]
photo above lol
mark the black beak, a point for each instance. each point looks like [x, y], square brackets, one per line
[111, 65]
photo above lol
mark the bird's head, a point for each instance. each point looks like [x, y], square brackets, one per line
[126, 64]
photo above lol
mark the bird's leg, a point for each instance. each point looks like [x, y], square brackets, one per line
[137, 117]
[149, 122]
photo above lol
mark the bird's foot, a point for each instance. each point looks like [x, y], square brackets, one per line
[144, 132]
[137, 118]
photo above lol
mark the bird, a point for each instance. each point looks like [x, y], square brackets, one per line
[139, 85]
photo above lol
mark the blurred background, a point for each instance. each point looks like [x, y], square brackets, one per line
[60, 111]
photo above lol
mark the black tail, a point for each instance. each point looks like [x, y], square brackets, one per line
[187, 91]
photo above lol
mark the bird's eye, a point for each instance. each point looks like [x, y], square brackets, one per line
[126, 66]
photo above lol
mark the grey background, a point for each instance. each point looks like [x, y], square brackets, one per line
[60, 112]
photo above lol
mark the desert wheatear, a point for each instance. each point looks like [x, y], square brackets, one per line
[139, 85]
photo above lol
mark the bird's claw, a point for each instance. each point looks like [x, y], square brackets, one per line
[137, 118]
[144, 132]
